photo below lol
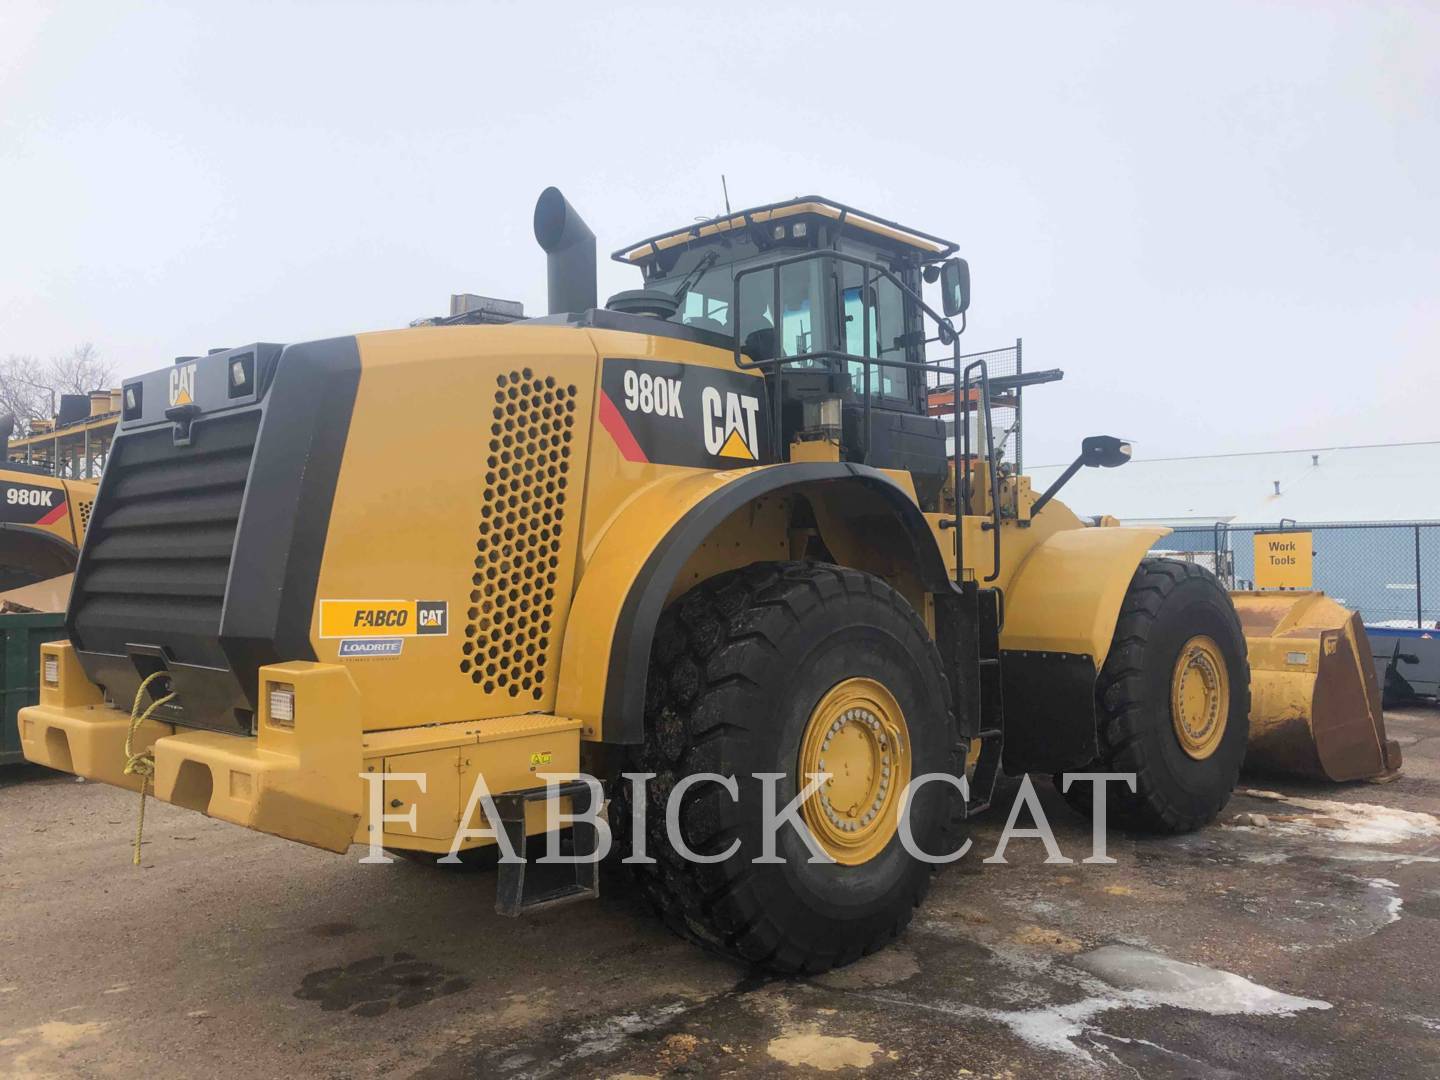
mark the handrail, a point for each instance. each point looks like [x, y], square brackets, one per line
[946, 335]
[994, 523]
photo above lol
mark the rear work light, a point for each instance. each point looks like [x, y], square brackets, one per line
[282, 704]
[242, 374]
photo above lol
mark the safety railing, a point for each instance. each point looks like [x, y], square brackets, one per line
[946, 334]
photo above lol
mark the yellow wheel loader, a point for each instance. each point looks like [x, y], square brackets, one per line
[42, 519]
[707, 535]
[1315, 702]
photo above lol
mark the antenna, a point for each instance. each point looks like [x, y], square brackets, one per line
[725, 188]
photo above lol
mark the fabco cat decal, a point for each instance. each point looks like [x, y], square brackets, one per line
[684, 414]
[383, 618]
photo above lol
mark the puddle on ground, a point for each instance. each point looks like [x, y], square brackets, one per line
[331, 929]
[884, 968]
[375, 985]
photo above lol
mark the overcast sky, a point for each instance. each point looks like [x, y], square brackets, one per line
[1222, 220]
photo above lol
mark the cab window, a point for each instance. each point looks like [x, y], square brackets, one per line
[800, 307]
[873, 316]
[802, 320]
[707, 303]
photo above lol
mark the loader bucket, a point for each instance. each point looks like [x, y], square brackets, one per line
[1314, 701]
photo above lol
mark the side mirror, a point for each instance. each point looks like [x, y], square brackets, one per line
[955, 287]
[1098, 451]
[1104, 452]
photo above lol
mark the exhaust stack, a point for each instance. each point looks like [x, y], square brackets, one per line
[569, 253]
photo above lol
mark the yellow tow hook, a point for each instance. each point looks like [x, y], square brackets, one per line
[143, 763]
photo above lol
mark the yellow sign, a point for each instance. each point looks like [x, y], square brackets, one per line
[1284, 560]
[382, 618]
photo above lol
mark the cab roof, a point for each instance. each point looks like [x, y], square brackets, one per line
[927, 246]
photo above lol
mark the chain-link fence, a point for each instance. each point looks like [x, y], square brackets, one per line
[1005, 411]
[1389, 572]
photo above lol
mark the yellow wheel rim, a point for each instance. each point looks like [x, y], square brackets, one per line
[857, 735]
[1200, 697]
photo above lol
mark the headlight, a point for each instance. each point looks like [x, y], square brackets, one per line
[52, 671]
[282, 704]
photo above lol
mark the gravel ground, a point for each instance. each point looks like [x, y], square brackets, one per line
[1301, 942]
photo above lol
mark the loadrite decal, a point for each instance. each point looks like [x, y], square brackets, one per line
[182, 384]
[683, 414]
[351, 648]
[29, 504]
[382, 619]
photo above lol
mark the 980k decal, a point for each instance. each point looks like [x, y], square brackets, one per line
[684, 414]
[31, 504]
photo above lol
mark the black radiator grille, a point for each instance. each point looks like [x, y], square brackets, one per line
[163, 529]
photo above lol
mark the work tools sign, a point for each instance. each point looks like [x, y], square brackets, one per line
[1284, 560]
[683, 414]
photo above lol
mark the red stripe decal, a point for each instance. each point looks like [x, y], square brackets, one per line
[54, 515]
[614, 423]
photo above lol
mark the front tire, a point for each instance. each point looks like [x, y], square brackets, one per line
[1172, 702]
[750, 672]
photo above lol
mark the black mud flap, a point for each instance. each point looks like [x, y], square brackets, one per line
[1049, 711]
[552, 884]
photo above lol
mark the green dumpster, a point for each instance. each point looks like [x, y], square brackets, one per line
[20, 639]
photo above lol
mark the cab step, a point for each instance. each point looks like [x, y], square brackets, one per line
[547, 884]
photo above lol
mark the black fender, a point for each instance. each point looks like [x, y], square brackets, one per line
[869, 491]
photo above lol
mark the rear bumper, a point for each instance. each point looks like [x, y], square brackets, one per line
[305, 789]
[305, 781]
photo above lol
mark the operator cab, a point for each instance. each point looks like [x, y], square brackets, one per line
[826, 299]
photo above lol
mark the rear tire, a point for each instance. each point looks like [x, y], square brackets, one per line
[1170, 606]
[740, 667]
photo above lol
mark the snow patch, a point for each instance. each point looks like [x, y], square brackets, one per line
[1355, 823]
[1393, 903]
[1148, 979]
[1397, 857]
[1126, 977]
[1266, 858]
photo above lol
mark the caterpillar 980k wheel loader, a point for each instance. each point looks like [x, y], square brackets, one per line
[709, 533]
[42, 519]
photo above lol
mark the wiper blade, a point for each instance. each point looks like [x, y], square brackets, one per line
[694, 275]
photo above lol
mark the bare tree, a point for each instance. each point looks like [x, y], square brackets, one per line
[22, 387]
[31, 388]
[79, 371]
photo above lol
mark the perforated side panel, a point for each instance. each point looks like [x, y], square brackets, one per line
[508, 635]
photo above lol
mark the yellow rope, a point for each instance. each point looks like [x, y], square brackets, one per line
[143, 763]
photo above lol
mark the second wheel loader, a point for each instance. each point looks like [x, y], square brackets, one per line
[42, 519]
[707, 534]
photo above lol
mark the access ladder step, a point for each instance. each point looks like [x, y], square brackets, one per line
[546, 884]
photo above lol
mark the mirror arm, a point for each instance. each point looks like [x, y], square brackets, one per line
[1060, 481]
